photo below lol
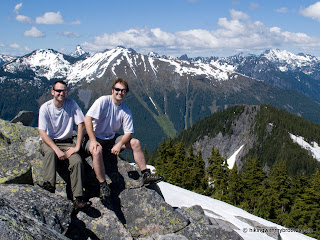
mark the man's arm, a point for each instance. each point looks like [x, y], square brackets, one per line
[76, 148]
[117, 147]
[89, 127]
[44, 136]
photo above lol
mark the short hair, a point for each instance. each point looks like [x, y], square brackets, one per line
[121, 81]
[59, 81]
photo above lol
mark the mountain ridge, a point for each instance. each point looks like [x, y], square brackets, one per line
[168, 94]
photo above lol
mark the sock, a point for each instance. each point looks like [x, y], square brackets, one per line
[145, 170]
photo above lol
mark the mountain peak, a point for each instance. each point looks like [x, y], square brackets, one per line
[78, 52]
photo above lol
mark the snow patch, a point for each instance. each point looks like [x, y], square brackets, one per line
[313, 147]
[231, 160]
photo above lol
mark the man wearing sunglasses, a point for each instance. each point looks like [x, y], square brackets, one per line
[56, 119]
[103, 120]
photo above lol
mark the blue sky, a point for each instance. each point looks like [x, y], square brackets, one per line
[171, 27]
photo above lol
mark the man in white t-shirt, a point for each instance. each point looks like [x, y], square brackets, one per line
[103, 120]
[56, 119]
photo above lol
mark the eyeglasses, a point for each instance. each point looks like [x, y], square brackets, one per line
[60, 90]
[122, 90]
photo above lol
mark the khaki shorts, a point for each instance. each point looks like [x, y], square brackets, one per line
[106, 144]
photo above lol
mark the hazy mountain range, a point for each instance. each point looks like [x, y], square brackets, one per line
[167, 94]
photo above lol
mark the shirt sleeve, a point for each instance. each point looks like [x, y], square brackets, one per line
[78, 114]
[43, 118]
[127, 124]
[95, 110]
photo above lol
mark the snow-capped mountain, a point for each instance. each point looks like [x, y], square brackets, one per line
[79, 53]
[42, 63]
[296, 72]
[170, 93]
[97, 65]
[288, 61]
[5, 58]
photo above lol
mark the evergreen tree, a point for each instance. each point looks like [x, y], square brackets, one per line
[176, 176]
[194, 172]
[235, 187]
[265, 202]
[305, 213]
[280, 184]
[253, 177]
[165, 155]
[218, 173]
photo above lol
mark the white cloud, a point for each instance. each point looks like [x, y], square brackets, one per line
[282, 10]
[235, 33]
[77, 22]
[2, 45]
[14, 45]
[254, 6]
[23, 19]
[312, 11]
[50, 18]
[238, 15]
[34, 32]
[69, 34]
[17, 7]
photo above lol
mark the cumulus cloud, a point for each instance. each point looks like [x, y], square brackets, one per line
[69, 34]
[14, 45]
[239, 32]
[282, 10]
[254, 6]
[17, 7]
[34, 32]
[50, 18]
[77, 22]
[312, 11]
[23, 19]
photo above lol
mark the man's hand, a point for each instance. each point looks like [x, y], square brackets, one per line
[60, 154]
[116, 148]
[94, 146]
[70, 151]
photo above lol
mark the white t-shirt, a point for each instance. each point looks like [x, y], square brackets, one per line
[58, 122]
[109, 117]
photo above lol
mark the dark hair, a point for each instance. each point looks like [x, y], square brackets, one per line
[59, 81]
[121, 81]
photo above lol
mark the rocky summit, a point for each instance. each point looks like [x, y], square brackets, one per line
[133, 212]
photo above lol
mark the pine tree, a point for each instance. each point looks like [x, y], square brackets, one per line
[305, 213]
[165, 155]
[218, 173]
[280, 185]
[253, 177]
[176, 165]
[235, 187]
[194, 172]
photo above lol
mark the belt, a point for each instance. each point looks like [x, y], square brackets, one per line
[68, 140]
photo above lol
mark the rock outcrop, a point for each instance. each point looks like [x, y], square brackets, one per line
[133, 212]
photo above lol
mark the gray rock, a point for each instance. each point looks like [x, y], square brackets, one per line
[147, 213]
[97, 222]
[24, 216]
[258, 227]
[18, 147]
[201, 228]
[133, 211]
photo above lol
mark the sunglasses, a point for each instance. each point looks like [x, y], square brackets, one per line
[60, 90]
[122, 90]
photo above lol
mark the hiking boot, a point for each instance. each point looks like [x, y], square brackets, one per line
[105, 190]
[79, 203]
[47, 186]
[150, 178]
